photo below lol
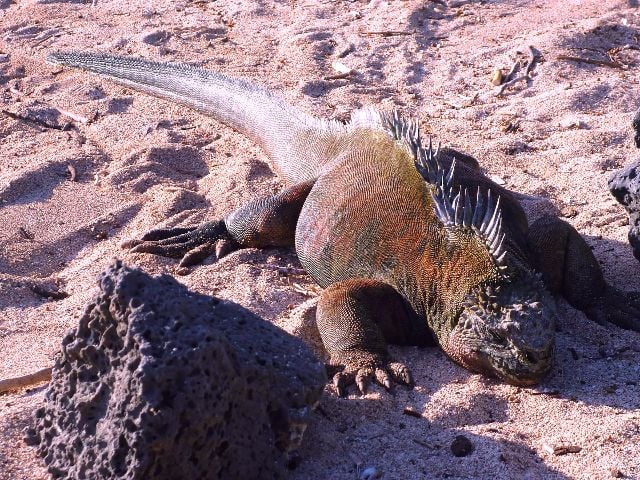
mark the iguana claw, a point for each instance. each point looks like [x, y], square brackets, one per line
[191, 244]
[384, 373]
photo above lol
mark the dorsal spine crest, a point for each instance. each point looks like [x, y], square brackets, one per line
[484, 217]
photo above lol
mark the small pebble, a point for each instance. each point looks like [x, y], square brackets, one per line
[461, 446]
[411, 412]
[561, 449]
[340, 67]
[569, 212]
[155, 38]
[182, 271]
[4, 57]
[616, 473]
[572, 123]
[370, 473]
[496, 77]
[343, 52]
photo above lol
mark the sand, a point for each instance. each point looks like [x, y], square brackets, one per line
[86, 164]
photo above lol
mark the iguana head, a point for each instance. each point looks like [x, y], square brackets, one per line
[501, 319]
[506, 329]
[496, 316]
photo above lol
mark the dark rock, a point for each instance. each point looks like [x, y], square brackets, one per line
[157, 37]
[461, 446]
[636, 128]
[624, 185]
[159, 382]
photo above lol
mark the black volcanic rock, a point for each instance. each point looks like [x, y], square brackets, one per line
[158, 382]
[624, 185]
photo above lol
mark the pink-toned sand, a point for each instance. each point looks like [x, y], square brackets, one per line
[141, 162]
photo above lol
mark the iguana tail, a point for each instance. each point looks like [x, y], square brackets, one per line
[293, 140]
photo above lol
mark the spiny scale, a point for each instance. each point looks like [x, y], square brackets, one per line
[485, 218]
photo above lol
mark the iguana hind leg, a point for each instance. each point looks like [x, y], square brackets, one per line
[356, 318]
[264, 222]
[569, 267]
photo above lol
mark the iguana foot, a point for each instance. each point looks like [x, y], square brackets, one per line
[192, 244]
[355, 317]
[617, 307]
[569, 267]
[361, 373]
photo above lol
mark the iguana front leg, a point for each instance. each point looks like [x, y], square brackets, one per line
[265, 222]
[569, 267]
[356, 318]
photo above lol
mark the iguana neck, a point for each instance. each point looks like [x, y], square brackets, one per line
[448, 271]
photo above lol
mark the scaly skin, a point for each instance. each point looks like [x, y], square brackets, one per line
[374, 219]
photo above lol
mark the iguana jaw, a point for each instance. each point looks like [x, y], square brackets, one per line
[506, 332]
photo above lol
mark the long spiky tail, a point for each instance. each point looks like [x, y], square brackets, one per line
[252, 110]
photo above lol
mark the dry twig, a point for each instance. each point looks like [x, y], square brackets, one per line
[513, 81]
[591, 61]
[16, 383]
[338, 76]
[72, 172]
[533, 58]
[304, 291]
[529, 64]
[284, 270]
[34, 121]
[387, 33]
[73, 116]
[411, 412]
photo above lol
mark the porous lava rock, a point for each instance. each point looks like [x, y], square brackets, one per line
[158, 382]
[624, 185]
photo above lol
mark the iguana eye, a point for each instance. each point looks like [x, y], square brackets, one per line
[529, 357]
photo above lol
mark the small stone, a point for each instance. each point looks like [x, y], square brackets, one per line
[572, 123]
[4, 57]
[343, 52]
[182, 271]
[616, 473]
[156, 38]
[461, 446]
[569, 212]
[341, 68]
[561, 449]
[496, 77]
[515, 147]
[564, 449]
[370, 473]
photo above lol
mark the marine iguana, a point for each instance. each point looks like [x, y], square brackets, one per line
[410, 243]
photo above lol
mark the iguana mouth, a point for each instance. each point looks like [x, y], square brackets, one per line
[506, 332]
